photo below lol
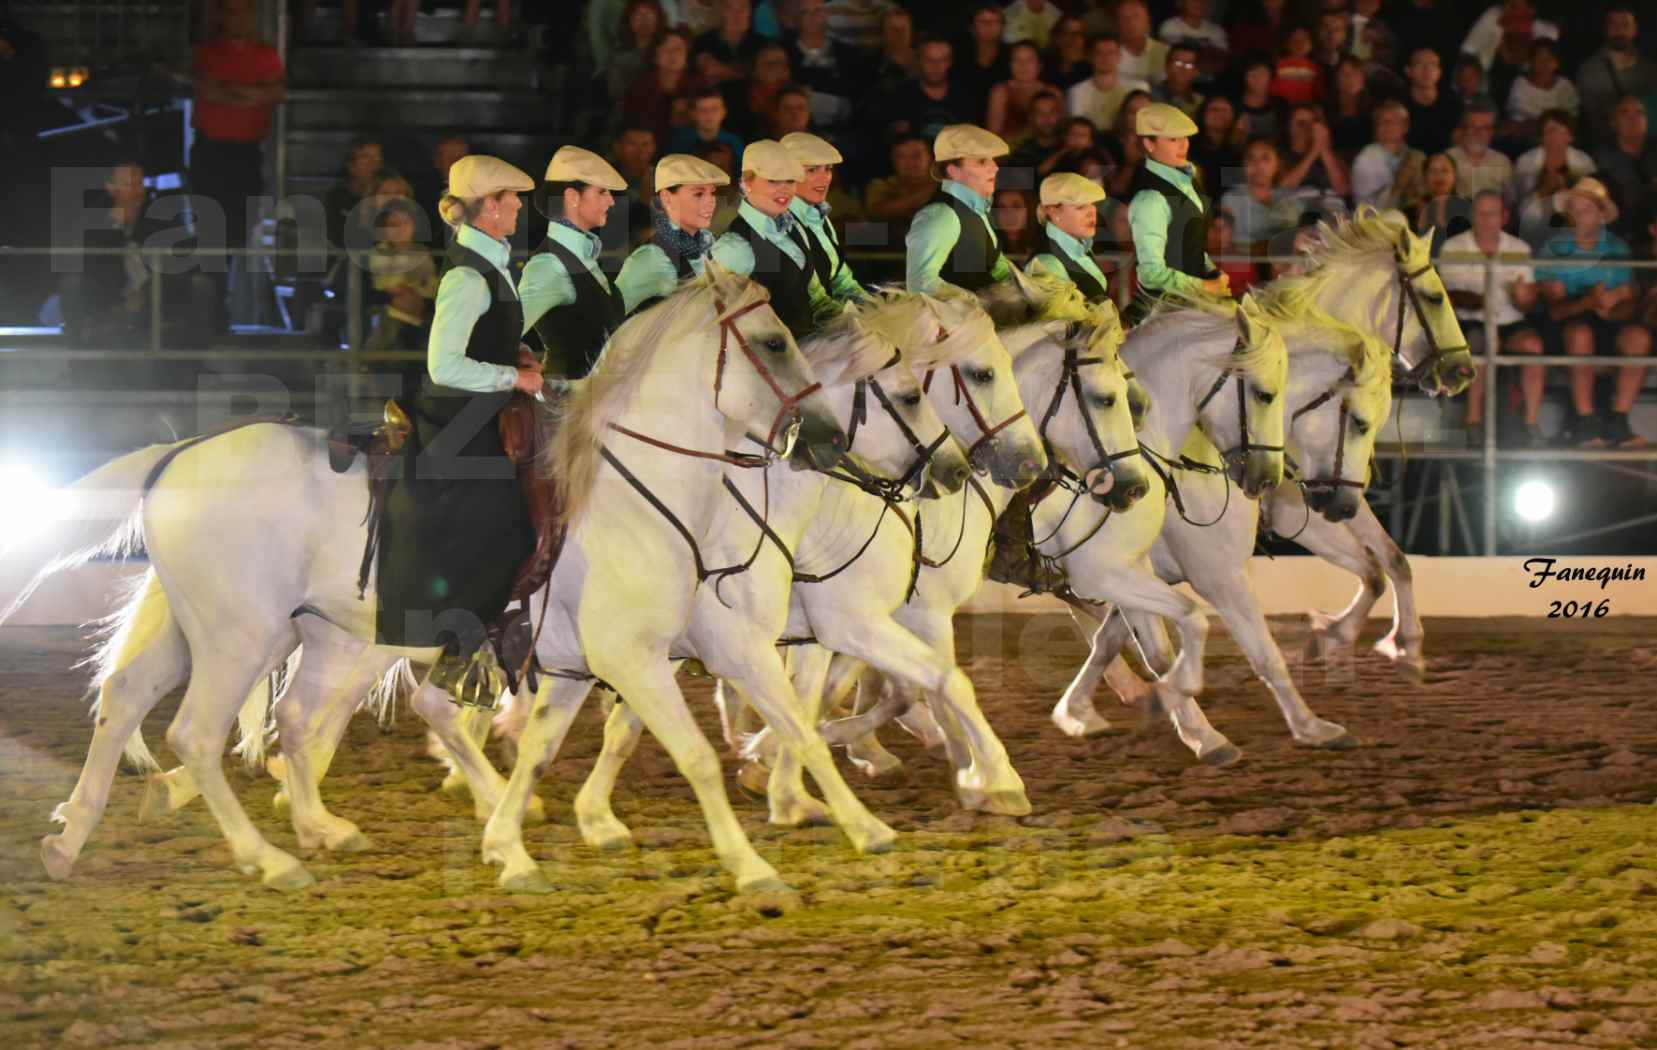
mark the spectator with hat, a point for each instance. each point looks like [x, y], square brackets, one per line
[1169, 212]
[1069, 216]
[567, 301]
[686, 196]
[951, 239]
[1592, 310]
[764, 241]
[810, 206]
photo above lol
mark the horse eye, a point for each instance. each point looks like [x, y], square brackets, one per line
[776, 344]
[1360, 426]
[1105, 400]
[983, 375]
[911, 400]
[1265, 397]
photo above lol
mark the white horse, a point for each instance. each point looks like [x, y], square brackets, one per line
[1224, 375]
[1339, 395]
[243, 533]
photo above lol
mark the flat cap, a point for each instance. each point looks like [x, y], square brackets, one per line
[967, 140]
[808, 149]
[479, 175]
[1070, 188]
[574, 164]
[767, 159]
[1159, 118]
[682, 169]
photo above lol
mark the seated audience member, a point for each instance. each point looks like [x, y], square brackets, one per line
[1078, 140]
[895, 198]
[896, 62]
[1255, 26]
[1032, 20]
[1191, 26]
[1541, 89]
[1515, 296]
[930, 102]
[363, 164]
[755, 99]
[1216, 149]
[1012, 214]
[1242, 273]
[1309, 157]
[1115, 252]
[1351, 109]
[1440, 212]
[105, 300]
[650, 101]
[1260, 209]
[642, 24]
[1540, 174]
[1065, 63]
[835, 72]
[1009, 102]
[1512, 55]
[434, 181]
[1259, 112]
[1478, 167]
[1331, 39]
[1628, 167]
[793, 111]
[1615, 70]
[1179, 82]
[1297, 79]
[1434, 113]
[1143, 56]
[1593, 312]
[727, 52]
[1041, 139]
[1100, 96]
[1388, 173]
[1467, 80]
[404, 279]
[633, 153]
[707, 124]
[983, 60]
[858, 22]
[1125, 144]
[1511, 16]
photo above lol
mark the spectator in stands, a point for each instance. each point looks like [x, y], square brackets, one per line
[1628, 166]
[759, 95]
[727, 53]
[859, 22]
[984, 59]
[404, 279]
[1615, 70]
[1031, 20]
[1011, 215]
[1515, 296]
[1100, 96]
[1120, 266]
[1310, 157]
[1352, 107]
[1331, 40]
[239, 82]
[633, 154]
[363, 163]
[1008, 112]
[1216, 149]
[1143, 56]
[1078, 141]
[1388, 173]
[1437, 24]
[429, 184]
[1434, 114]
[1261, 208]
[894, 199]
[1192, 27]
[1259, 112]
[1256, 27]
[642, 24]
[1468, 80]
[1540, 174]
[1297, 79]
[697, 16]
[1179, 81]
[1512, 54]
[1041, 139]
[932, 101]
[105, 299]
[1478, 167]
[651, 100]
[1366, 13]
[1066, 63]
[1440, 211]
[793, 111]
[1241, 274]
[835, 72]
[1539, 90]
[1592, 310]
[1125, 144]
[707, 124]
[897, 61]
[1515, 19]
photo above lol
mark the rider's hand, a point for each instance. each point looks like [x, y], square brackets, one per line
[529, 381]
[527, 358]
[1219, 287]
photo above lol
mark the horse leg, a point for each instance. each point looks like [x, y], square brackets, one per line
[153, 659]
[556, 704]
[1403, 645]
[1074, 713]
[599, 825]
[790, 804]
[476, 723]
[450, 722]
[1190, 724]
[1337, 544]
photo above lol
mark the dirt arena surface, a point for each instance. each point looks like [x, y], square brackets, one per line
[1482, 873]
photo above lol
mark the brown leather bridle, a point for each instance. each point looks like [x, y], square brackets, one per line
[987, 430]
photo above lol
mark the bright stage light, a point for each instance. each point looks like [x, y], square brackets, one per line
[30, 503]
[1533, 501]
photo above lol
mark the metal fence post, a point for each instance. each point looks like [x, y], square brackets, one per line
[1491, 377]
[354, 303]
[155, 310]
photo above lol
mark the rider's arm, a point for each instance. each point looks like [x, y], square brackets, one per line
[733, 252]
[932, 235]
[1150, 215]
[543, 286]
[647, 274]
[462, 298]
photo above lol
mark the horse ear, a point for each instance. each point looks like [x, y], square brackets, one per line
[1247, 312]
[1366, 212]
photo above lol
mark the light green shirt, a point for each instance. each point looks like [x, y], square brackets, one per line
[1081, 254]
[462, 298]
[649, 274]
[733, 252]
[1150, 215]
[932, 236]
[545, 284]
[815, 218]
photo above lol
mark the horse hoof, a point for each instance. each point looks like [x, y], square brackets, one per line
[1344, 742]
[355, 842]
[801, 813]
[772, 883]
[531, 881]
[1224, 755]
[609, 840]
[1001, 803]
[455, 786]
[277, 767]
[535, 814]
[753, 779]
[55, 858]
[290, 879]
[880, 839]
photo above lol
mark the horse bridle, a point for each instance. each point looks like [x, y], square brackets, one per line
[887, 488]
[1070, 378]
[1407, 292]
[1239, 453]
[986, 428]
[1339, 481]
[788, 405]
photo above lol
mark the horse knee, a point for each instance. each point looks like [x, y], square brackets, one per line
[1398, 566]
[699, 764]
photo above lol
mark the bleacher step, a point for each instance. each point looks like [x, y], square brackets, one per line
[413, 67]
[445, 110]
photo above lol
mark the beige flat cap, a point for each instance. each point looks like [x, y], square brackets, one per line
[682, 169]
[478, 175]
[769, 160]
[1159, 118]
[574, 164]
[1070, 188]
[808, 149]
[967, 140]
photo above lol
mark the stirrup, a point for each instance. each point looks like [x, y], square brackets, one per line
[470, 680]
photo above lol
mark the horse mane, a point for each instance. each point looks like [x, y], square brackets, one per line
[1267, 359]
[574, 431]
[849, 345]
[915, 320]
[1032, 298]
[1292, 296]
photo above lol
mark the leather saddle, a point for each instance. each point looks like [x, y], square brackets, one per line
[520, 436]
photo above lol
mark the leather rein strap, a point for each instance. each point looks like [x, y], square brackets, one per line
[1408, 293]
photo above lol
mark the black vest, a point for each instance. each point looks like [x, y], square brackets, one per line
[819, 257]
[494, 338]
[1092, 289]
[1187, 224]
[574, 333]
[975, 253]
[787, 281]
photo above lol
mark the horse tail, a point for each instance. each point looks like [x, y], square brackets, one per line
[143, 621]
[96, 517]
[398, 680]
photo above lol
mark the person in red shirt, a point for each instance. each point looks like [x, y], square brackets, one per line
[239, 81]
[1297, 77]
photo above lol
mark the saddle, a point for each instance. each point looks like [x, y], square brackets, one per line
[1013, 557]
[519, 430]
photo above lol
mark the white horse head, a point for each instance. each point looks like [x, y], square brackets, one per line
[1242, 411]
[1332, 431]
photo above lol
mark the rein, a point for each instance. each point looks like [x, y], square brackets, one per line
[1071, 379]
[1407, 291]
[886, 488]
[987, 431]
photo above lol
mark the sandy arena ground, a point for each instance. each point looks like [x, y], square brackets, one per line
[1481, 873]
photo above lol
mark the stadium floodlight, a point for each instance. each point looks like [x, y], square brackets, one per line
[1533, 500]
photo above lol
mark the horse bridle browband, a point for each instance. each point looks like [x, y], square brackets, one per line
[1070, 378]
[1245, 446]
[887, 488]
[987, 430]
[1409, 293]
